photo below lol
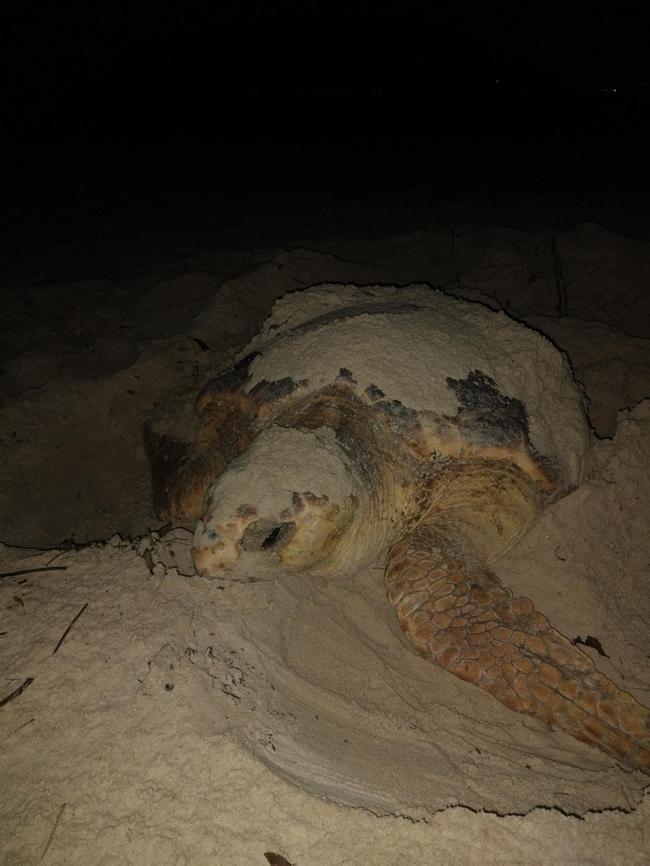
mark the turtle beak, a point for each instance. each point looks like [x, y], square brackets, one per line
[206, 561]
[211, 560]
[216, 554]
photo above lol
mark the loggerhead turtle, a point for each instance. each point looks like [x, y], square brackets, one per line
[406, 424]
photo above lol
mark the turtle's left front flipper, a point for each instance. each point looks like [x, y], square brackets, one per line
[460, 616]
[184, 463]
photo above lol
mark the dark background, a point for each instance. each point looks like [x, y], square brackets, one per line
[164, 120]
[239, 93]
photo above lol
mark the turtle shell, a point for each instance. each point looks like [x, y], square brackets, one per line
[422, 357]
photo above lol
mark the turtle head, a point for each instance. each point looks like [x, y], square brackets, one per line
[291, 502]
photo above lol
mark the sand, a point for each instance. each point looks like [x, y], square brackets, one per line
[188, 721]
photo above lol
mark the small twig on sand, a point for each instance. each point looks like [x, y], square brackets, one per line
[51, 836]
[560, 280]
[32, 570]
[20, 727]
[65, 633]
[21, 688]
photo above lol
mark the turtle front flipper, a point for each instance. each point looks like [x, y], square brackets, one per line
[186, 462]
[460, 616]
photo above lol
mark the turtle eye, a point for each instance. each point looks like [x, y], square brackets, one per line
[265, 535]
[272, 537]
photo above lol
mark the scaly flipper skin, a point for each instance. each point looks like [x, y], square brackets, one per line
[460, 616]
[181, 472]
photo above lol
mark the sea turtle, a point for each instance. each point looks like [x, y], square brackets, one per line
[403, 424]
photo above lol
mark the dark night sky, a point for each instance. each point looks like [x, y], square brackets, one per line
[197, 75]
[59, 52]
